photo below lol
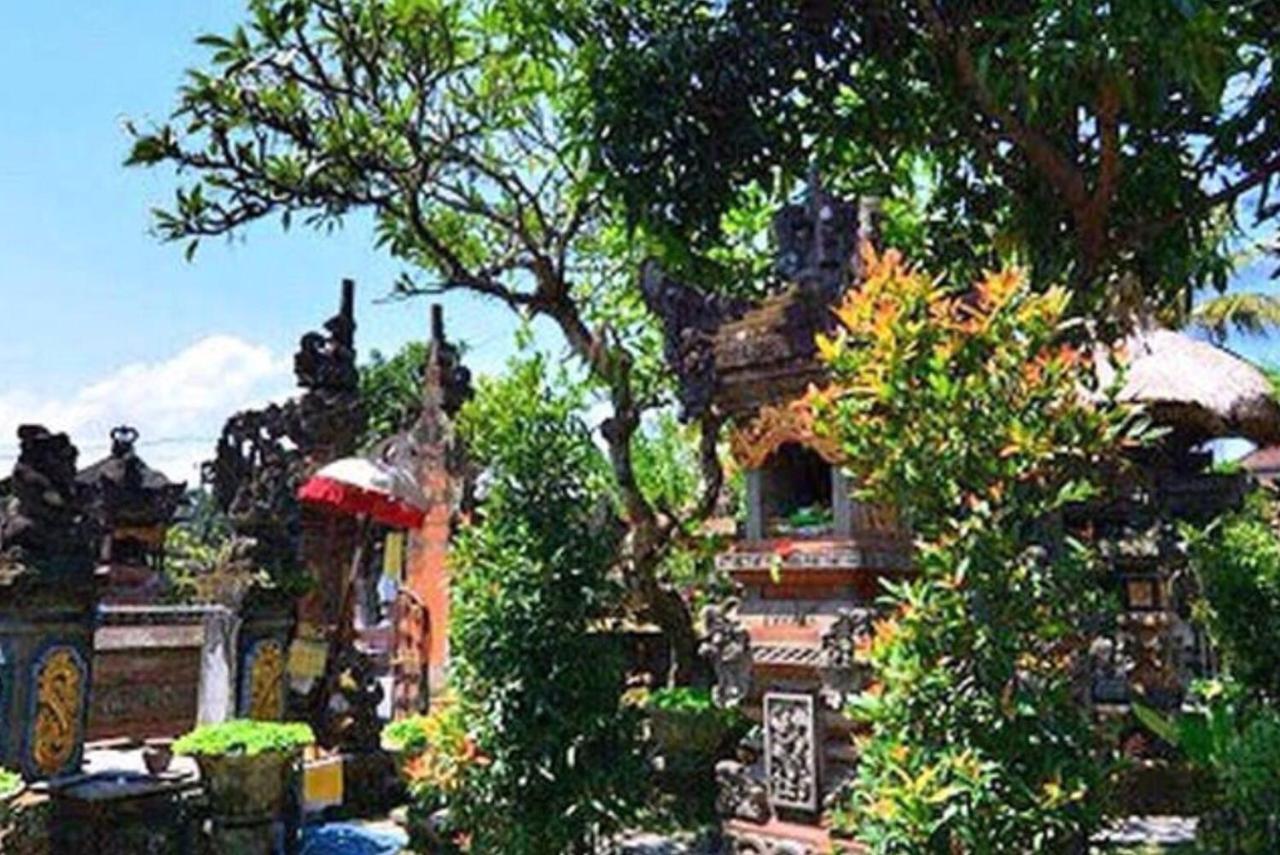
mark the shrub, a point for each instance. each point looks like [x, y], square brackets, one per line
[407, 735]
[968, 414]
[10, 782]
[545, 754]
[1235, 740]
[1236, 561]
[244, 737]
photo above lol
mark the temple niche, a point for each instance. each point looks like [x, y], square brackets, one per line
[132, 506]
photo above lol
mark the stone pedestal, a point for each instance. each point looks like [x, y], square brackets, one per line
[785, 654]
[46, 649]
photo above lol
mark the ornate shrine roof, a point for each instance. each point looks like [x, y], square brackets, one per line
[122, 490]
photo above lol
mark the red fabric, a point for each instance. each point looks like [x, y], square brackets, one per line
[350, 499]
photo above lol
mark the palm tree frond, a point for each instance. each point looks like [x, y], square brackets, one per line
[1248, 313]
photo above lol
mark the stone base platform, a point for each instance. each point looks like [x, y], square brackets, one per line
[778, 837]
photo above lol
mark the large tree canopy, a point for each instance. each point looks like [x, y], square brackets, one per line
[1107, 144]
[446, 120]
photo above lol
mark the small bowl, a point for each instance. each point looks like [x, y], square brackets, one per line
[157, 755]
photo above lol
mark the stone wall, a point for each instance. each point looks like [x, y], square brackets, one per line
[146, 672]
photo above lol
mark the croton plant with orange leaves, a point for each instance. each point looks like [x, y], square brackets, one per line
[974, 414]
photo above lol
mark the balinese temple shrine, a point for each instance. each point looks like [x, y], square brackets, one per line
[808, 560]
[132, 506]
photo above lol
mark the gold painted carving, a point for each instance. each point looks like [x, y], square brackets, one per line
[752, 443]
[59, 693]
[266, 682]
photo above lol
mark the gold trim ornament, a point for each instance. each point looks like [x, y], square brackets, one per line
[754, 442]
[266, 681]
[57, 724]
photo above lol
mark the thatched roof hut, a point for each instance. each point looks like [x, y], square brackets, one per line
[1198, 390]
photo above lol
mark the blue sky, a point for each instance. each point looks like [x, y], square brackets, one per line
[99, 322]
[93, 307]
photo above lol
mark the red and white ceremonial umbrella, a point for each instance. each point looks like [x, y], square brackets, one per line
[363, 487]
[372, 490]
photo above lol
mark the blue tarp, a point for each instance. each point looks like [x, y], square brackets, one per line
[345, 838]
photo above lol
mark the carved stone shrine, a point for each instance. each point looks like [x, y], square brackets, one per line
[807, 559]
[132, 506]
[262, 457]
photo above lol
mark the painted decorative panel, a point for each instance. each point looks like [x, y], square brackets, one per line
[57, 710]
[262, 683]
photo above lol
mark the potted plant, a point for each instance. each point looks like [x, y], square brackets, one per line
[688, 734]
[11, 786]
[245, 765]
[406, 739]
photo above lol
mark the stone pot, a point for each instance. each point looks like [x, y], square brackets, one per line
[246, 786]
[677, 733]
[157, 755]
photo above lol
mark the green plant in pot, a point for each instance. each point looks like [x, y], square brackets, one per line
[11, 786]
[690, 733]
[245, 765]
[406, 739]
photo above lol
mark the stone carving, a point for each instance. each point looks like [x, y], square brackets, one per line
[59, 701]
[728, 647]
[753, 443]
[740, 792]
[264, 681]
[840, 670]
[123, 491]
[329, 416]
[817, 242]
[756, 844]
[43, 526]
[353, 719]
[254, 478]
[790, 750]
[690, 319]
[264, 455]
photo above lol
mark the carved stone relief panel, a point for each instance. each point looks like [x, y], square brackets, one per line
[790, 749]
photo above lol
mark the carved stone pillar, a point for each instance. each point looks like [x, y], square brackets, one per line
[46, 610]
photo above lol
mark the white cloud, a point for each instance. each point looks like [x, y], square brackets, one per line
[178, 405]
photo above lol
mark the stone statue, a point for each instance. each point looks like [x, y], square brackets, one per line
[690, 319]
[728, 647]
[840, 671]
[43, 527]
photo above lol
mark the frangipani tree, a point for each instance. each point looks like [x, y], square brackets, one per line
[447, 122]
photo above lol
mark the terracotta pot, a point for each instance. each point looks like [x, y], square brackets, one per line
[245, 786]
